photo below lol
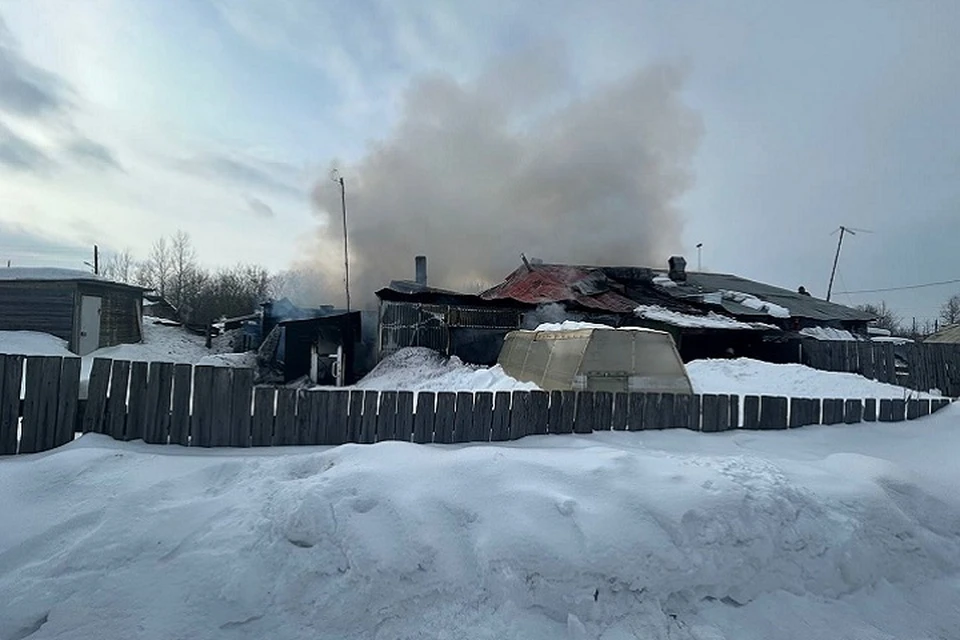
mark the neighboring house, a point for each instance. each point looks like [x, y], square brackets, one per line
[947, 335]
[87, 311]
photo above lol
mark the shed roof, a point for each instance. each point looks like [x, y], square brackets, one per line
[54, 274]
[949, 334]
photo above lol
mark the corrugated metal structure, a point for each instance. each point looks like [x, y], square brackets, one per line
[87, 311]
[453, 324]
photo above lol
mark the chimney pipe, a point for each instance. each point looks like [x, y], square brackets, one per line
[421, 275]
[678, 269]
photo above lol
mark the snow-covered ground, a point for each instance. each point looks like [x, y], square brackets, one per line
[421, 369]
[822, 532]
[743, 376]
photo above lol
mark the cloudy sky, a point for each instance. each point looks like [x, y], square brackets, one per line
[602, 131]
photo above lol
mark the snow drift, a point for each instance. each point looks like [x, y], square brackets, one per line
[422, 369]
[815, 533]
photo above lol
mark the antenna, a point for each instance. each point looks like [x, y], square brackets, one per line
[336, 177]
[836, 258]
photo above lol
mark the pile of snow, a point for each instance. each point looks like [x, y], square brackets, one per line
[422, 369]
[893, 339]
[245, 360]
[753, 302]
[47, 273]
[821, 532]
[744, 376]
[710, 321]
[828, 334]
[33, 343]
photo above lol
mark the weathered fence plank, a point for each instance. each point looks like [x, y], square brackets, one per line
[568, 413]
[500, 428]
[50, 401]
[913, 409]
[923, 409]
[368, 422]
[653, 411]
[263, 409]
[202, 407]
[734, 411]
[137, 402]
[69, 399]
[555, 414]
[519, 415]
[156, 421]
[668, 410]
[578, 408]
[482, 416]
[387, 416]
[751, 412]
[463, 422]
[304, 418]
[241, 398]
[886, 410]
[898, 410]
[445, 416]
[355, 422]
[832, 411]
[285, 421]
[539, 413]
[117, 402]
[220, 428]
[603, 410]
[621, 411]
[693, 413]
[852, 411]
[337, 422]
[180, 423]
[798, 412]
[710, 411]
[723, 409]
[31, 424]
[773, 412]
[423, 420]
[11, 374]
[404, 427]
[870, 410]
[638, 409]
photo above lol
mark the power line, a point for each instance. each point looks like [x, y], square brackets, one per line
[904, 288]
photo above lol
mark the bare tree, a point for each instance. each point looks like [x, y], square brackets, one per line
[950, 311]
[120, 267]
[885, 317]
[156, 270]
[186, 277]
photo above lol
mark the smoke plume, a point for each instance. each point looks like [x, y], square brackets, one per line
[474, 174]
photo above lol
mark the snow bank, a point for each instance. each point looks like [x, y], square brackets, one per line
[826, 333]
[814, 533]
[422, 369]
[710, 321]
[744, 376]
[33, 343]
[753, 302]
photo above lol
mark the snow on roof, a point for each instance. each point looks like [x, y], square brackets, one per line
[47, 274]
[710, 321]
[826, 333]
[753, 302]
[571, 325]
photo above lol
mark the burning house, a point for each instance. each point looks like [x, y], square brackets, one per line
[709, 315]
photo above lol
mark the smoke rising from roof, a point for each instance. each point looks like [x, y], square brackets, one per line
[473, 174]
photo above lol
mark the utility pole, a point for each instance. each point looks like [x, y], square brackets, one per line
[96, 260]
[836, 258]
[699, 256]
[346, 253]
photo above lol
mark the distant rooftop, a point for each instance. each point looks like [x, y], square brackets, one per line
[53, 274]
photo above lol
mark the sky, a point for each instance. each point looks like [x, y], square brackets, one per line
[608, 131]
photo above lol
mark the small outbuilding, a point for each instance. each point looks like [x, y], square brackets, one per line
[596, 359]
[87, 311]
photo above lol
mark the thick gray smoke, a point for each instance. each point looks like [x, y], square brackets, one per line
[475, 174]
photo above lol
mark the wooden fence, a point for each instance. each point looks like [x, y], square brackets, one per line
[918, 365]
[204, 406]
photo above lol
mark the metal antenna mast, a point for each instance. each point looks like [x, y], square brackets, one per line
[836, 258]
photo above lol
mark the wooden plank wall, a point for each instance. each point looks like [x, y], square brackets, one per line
[924, 366]
[204, 406]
